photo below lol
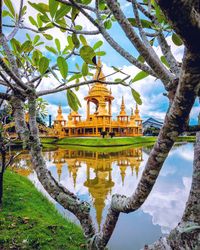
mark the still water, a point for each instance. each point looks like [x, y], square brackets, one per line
[96, 175]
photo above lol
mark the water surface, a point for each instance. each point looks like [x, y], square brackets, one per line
[96, 176]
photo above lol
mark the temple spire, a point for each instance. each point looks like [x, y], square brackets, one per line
[99, 73]
[136, 110]
[122, 109]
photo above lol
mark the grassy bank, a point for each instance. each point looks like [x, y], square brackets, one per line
[52, 143]
[106, 142]
[30, 221]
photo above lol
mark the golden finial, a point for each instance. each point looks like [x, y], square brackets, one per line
[136, 110]
[99, 74]
[122, 111]
[131, 111]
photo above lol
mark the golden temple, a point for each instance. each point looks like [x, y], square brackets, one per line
[101, 120]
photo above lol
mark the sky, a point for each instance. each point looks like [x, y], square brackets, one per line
[154, 103]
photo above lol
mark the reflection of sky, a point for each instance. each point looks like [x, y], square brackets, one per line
[162, 209]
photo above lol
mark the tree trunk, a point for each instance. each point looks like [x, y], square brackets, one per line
[2, 169]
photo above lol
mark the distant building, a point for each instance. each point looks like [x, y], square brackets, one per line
[151, 126]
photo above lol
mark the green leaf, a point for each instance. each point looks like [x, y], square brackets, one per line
[24, 9]
[140, 76]
[26, 46]
[64, 9]
[83, 40]
[35, 57]
[43, 65]
[118, 80]
[136, 96]
[9, 4]
[70, 42]
[84, 69]
[78, 27]
[47, 27]
[74, 13]
[75, 76]
[87, 54]
[53, 6]
[15, 45]
[145, 23]
[40, 43]
[57, 42]
[164, 61]
[63, 66]
[77, 66]
[36, 39]
[101, 53]
[73, 100]
[47, 36]
[6, 13]
[32, 21]
[97, 45]
[28, 36]
[45, 18]
[62, 23]
[41, 7]
[51, 49]
[108, 24]
[39, 21]
[176, 39]
[75, 40]
[86, 1]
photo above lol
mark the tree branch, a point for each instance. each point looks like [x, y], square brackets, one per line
[56, 90]
[53, 67]
[5, 96]
[83, 6]
[84, 32]
[187, 27]
[16, 28]
[163, 43]
[112, 42]
[1, 8]
[194, 128]
[149, 54]
[13, 76]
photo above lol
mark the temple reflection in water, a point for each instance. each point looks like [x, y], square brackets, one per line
[99, 169]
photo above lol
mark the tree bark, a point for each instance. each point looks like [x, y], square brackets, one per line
[184, 16]
[2, 170]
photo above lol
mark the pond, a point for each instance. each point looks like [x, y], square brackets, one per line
[95, 175]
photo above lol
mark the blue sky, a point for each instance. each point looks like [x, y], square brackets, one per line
[154, 104]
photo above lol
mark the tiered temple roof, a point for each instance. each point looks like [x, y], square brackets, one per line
[101, 119]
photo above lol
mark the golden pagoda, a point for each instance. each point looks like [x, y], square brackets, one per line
[101, 119]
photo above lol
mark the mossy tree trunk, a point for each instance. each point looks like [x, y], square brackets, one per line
[2, 167]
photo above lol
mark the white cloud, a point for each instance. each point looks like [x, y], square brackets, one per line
[166, 206]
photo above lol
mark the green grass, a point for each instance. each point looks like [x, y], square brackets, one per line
[51, 143]
[186, 139]
[48, 139]
[29, 221]
[106, 142]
